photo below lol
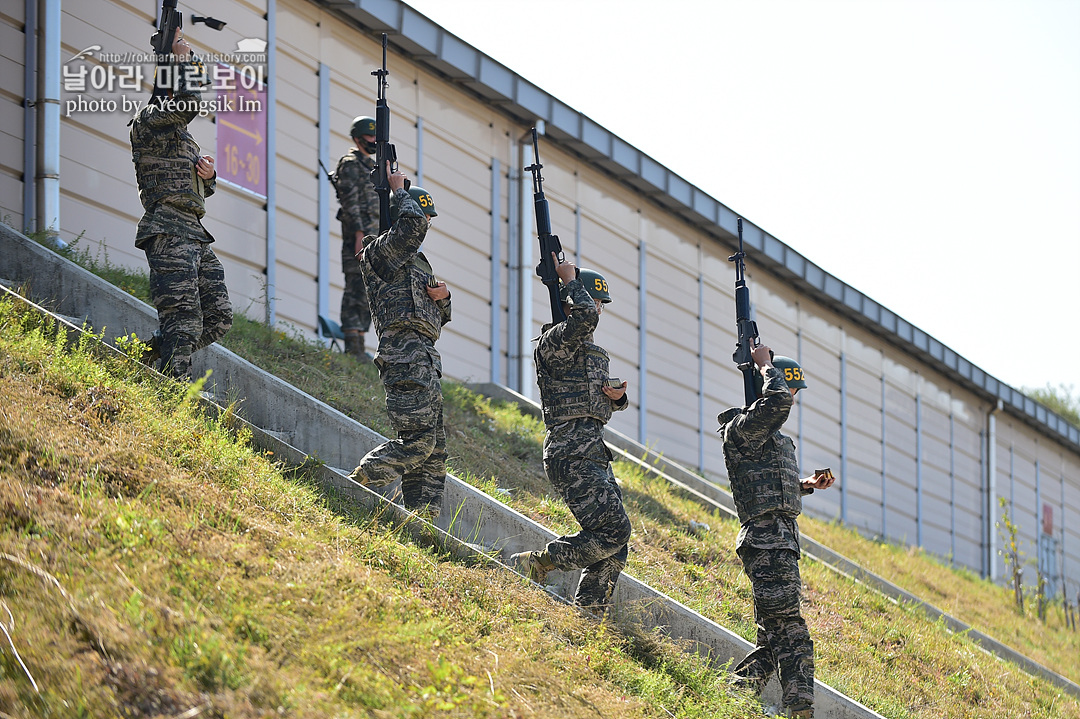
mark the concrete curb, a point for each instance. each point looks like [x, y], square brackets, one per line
[317, 430]
[713, 496]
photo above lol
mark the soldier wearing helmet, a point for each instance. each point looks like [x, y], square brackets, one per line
[578, 397]
[359, 215]
[764, 475]
[187, 281]
[409, 309]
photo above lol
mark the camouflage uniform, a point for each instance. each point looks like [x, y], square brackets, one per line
[764, 474]
[570, 371]
[187, 282]
[409, 323]
[359, 213]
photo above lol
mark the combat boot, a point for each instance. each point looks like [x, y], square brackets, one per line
[801, 711]
[353, 340]
[535, 565]
[428, 512]
[359, 477]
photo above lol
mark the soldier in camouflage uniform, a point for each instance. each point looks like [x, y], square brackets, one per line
[764, 475]
[578, 399]
[409, 309]
[359, 215]
[187, 282]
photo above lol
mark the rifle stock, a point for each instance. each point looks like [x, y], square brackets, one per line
[747, 328]
[385, 152]
[549, 243]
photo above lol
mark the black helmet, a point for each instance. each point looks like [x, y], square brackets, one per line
[422, 197]
[595, 285]
[793, 374]
[362, 126]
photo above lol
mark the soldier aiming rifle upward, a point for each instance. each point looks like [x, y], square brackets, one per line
[764, 473]
[187, 282]
[578, 398]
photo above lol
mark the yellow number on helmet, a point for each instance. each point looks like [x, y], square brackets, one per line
[788, 374]
[598, 283]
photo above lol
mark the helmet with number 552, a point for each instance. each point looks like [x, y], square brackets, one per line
[793, 373]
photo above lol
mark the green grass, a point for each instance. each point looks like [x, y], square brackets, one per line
[151, 563]
[887, 656]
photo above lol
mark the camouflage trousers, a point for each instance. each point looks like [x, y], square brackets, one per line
[355, 311]
[588, 487]
[414, 404]
[187, 286]
[783, 640]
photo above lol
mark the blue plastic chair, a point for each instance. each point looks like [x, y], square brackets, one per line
[328, 329]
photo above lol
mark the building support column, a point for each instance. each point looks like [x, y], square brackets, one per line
[271, 161]
[322, 276]
[496, 271]
[48, 120]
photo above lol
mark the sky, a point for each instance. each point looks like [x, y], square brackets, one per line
[925, 152]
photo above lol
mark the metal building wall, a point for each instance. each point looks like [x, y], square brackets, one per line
[910, 443]
[12, 92]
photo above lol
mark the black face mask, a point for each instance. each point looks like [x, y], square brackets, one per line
[368, 147]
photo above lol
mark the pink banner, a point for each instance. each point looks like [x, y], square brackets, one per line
[241, 137]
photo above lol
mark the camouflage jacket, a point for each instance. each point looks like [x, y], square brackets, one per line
[165, 154]
[763, 468]
[359, 210]
[396, 275]
[565, 356]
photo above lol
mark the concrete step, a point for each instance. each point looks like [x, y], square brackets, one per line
[469, 518]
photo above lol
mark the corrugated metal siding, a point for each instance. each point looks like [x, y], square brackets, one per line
[12, 67]
[925, 412]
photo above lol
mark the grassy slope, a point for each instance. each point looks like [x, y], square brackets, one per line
[917, 668]
[150, 563]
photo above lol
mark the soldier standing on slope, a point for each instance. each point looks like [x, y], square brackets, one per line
[577, 401]
[409, 310]
[359, 215]
[187, 282]
[764, 475]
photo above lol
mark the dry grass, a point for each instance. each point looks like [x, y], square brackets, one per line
[152, 565]
[980, 603]
[887, 656]
[919, 668]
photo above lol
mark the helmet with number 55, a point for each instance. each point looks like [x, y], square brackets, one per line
[422, 197]
[595, 285]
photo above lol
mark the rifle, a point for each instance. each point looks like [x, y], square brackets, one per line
[747, 328]
[549, 243]
[170, 20]
[384, 150]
